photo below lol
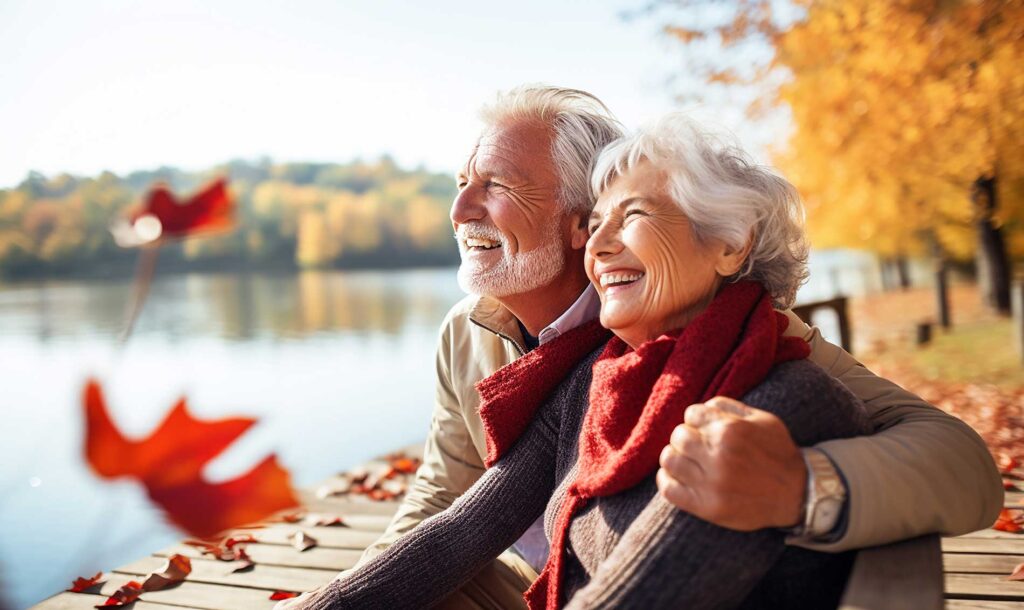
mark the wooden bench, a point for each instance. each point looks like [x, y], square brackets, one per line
[806, 311]
[968, 573]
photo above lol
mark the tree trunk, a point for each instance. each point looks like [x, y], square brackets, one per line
[942, 294]
[903, 271]
[991, 246]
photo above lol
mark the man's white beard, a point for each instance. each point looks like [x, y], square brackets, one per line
[514, 273]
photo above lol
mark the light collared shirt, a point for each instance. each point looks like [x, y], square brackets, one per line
[586, 308]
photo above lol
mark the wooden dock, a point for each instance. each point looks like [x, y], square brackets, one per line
[975, 566]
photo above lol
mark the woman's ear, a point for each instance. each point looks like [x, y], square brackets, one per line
[730, 259]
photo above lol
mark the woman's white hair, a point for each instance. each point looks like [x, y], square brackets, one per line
[724, 195]
[582, 126]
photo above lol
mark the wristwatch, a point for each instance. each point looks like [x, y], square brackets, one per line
[826, 496]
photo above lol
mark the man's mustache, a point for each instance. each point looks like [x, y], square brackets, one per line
[478, 230]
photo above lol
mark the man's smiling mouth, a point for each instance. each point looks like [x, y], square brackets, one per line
[479, 243]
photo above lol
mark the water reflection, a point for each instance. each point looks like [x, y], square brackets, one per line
[235, 307]
[313, 356]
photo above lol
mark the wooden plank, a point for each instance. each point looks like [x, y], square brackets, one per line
[357, 521]
[258, 576]
[87, 601]
[991, 546]
[981, 604]
[983, 586]
[335, 560]
[327, 537]
[900, 576]
[196, 595]
[981, 564]
[991, 533]
[348, 505]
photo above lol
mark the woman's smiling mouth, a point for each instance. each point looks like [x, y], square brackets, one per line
[617, 279]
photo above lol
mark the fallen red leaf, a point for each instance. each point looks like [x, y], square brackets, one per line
[1009, 485]
[174, 570]
[1006, 463]
[170, 461]
[241, 555]
[326, 521]
[294, 517]
[81, 584]
[405, 465]
[1009, 521]
[127, 594]
[277, 595]
[1018, 572]
[243, 539]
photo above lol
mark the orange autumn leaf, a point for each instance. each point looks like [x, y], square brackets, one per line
[174, 570]
[169, 463]
[278, 595]
[1009, 521]
[405, 465]
[127, 594]
[81, 584]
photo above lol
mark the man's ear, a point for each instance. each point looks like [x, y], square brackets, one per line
[579, 234]
[730, 259]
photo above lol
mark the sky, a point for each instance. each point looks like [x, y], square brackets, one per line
[88, 85]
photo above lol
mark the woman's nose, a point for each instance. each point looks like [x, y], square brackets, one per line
[605, 241]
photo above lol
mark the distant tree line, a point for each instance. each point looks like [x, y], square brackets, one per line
[289, 215]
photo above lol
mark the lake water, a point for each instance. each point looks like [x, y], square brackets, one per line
[337, 366]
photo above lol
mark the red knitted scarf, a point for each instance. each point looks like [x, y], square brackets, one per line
[636, 397]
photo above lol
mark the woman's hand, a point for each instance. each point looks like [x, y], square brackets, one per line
[735, 466]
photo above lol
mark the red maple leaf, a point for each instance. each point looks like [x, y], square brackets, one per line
[81, 584]
[276, 595]
[161, 216]
[169, 463]
[127, 594]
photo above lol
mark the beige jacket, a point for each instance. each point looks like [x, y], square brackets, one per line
[923, 471]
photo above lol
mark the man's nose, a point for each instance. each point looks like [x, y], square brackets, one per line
[468, 205]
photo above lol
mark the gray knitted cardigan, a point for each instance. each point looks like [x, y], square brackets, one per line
[630, 550]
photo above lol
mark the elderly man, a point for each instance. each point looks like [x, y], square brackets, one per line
[519, 219]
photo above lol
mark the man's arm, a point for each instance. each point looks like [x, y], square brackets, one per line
[450, 466]
[923, 471]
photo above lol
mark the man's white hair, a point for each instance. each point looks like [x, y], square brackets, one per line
[724, 195]
[582, 126]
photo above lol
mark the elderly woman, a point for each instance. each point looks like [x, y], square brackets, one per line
[691, 246]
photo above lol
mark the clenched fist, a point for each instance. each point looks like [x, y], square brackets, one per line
[735, 466]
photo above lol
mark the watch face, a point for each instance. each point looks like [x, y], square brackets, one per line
[826, 514]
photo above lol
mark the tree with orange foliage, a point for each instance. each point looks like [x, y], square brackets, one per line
[908, 119]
